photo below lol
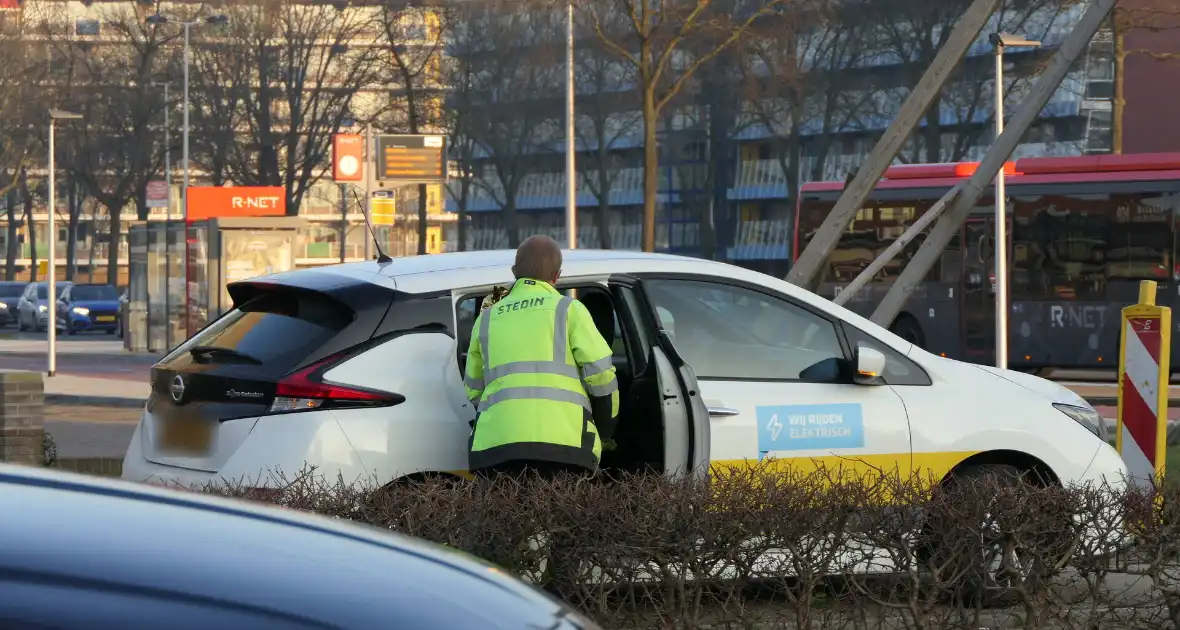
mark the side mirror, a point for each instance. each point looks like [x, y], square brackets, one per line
[870, 366]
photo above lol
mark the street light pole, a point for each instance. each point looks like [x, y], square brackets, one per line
[1000, 41]
[167, 220]
[571, 176]
[1001, 240]
[184, 130]
[51, 302]
[51, 298]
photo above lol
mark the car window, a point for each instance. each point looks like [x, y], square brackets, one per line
[899, 370]
[730, 332]
[278, 329]
[43, 292]
[11, 290]
[94, 292]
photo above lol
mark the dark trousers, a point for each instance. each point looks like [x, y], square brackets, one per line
[558, 577]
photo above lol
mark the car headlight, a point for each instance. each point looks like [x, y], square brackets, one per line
[42, 308]
[3, 306]
[1086, 417]
[81, 310]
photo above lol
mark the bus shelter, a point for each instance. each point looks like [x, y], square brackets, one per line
[227, 249]
[178, 273]
[154, 317]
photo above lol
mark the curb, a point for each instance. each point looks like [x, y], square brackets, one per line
[93, 401]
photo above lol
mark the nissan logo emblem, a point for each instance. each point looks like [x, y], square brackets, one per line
[177, 389]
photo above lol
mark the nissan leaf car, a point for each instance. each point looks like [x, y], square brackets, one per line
[356, 370]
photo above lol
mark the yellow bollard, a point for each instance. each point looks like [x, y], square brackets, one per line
[1144, 370]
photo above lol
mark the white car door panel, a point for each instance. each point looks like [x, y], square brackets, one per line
[808, 421]
[756, 356]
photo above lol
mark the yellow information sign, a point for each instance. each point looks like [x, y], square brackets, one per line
[382, 211]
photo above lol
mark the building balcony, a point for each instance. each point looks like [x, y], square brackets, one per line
[753, 180]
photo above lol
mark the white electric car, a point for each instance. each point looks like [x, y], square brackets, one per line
[356, 370]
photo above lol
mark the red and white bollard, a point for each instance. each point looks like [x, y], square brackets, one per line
[1142, 436]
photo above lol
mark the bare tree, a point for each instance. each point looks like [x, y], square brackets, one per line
[799, 76]
[512, 50]
[459, 69]
[413, 38]
[912, 32]
[608, 114]
[109, 82]
[20, 106]
[221, 82]
[305, 63]
[666, 42]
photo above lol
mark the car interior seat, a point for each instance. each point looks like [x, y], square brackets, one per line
[602, 311]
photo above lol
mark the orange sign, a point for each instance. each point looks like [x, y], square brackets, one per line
[210, 202]
[348, 157]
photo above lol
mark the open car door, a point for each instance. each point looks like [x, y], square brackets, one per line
[685, 415]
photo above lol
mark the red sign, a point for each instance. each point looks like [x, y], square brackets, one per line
[348, 157]
[210, 202]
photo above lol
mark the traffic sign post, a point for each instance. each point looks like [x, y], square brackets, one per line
[1144, 370]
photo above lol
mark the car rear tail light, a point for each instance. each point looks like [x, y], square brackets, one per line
[305, 389]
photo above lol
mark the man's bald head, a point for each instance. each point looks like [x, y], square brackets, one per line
[538, 258]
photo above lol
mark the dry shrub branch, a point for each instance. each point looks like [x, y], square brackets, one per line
[763, 548]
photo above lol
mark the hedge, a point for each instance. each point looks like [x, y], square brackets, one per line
[762, 548]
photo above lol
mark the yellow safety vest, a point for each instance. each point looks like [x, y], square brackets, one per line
[531, 367]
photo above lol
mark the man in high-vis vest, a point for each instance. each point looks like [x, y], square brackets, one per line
[540, 376]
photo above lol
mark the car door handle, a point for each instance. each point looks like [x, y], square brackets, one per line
[723, 411]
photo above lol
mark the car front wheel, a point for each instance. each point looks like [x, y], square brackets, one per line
[1003, 570]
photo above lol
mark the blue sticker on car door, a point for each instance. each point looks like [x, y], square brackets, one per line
[809, 427]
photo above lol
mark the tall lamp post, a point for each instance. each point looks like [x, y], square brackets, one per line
[168, 214]
[162, 19]
[1001, 41]
[571, 175]
[51, 303]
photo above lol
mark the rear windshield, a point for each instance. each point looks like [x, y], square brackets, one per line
[11, 290]
[96, 292]
[278, 329]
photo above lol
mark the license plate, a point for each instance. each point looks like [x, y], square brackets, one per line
[185, 437]
[105, 318]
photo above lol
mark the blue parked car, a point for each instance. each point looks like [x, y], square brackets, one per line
[88, 307]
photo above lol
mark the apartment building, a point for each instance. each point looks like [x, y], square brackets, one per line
[335, 223]
[747, 193]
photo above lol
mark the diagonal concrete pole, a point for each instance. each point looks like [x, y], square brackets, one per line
[898, 244]
[949, 224]
[957, 44]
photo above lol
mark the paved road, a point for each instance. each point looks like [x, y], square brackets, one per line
[82, 431]
[82, 355]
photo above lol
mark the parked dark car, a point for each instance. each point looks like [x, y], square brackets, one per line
[87, 552]
[88, 307]
[10, 293]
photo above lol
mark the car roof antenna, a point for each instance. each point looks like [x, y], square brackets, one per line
[381, 257]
